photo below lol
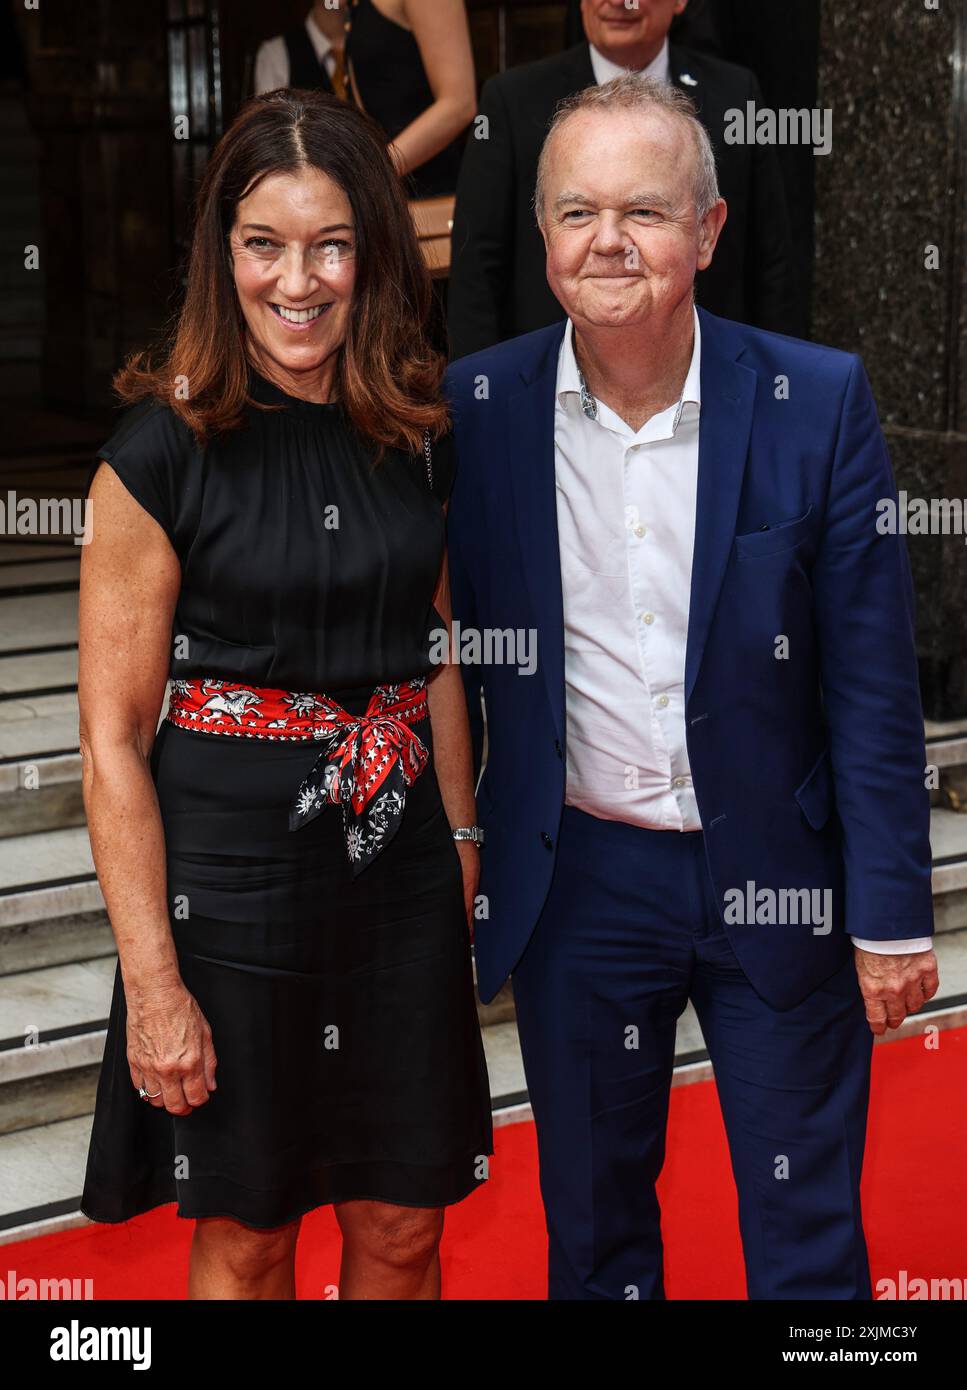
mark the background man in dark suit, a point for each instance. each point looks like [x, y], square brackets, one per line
[498, 286]
[307, 55]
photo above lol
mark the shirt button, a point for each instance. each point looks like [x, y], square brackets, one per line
[662, 701]
[680, 782]
[648, 618]
[639, 530]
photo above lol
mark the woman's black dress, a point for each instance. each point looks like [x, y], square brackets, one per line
[350, 1063]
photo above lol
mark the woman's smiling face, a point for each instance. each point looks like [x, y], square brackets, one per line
[294, 252]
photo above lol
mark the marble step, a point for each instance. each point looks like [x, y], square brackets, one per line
[15, 550]
[51, 1041]
[37, 620]
[40, 765]
[37, 724]
[42, 669]
[51, 907]
[947, 750]
[30, 863]
[34, 576]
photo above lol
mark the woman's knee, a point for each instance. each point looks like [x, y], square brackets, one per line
[247, 1252]
[404, 1237]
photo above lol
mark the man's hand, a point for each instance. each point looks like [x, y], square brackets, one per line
[895, 986]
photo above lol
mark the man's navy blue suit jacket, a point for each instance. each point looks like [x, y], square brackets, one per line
[809, 771]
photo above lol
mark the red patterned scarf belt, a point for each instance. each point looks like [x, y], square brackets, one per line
[366, 761]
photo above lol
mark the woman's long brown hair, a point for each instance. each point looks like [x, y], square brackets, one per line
[389, 375]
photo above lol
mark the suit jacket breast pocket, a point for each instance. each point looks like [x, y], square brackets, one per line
[781, 535]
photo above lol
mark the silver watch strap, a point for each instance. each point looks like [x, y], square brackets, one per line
[469, 832]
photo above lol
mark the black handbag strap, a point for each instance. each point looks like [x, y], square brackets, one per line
[428, 457]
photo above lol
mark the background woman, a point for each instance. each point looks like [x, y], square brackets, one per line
[408, 63]
[410, 66]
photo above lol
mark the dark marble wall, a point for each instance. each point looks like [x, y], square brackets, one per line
[97, 103]
[893, 186]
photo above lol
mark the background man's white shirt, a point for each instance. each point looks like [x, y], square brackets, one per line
[272, 58]
[604, 69]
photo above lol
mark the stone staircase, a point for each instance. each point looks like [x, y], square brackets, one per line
[57, 957]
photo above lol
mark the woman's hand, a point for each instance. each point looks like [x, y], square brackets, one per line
[470, 864]
[170, 1049]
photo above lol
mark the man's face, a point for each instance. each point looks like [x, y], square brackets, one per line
[624, 28]
[620, 226]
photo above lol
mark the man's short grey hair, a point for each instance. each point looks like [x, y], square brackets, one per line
[634, 92]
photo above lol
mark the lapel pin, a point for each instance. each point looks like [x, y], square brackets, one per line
[688, 79]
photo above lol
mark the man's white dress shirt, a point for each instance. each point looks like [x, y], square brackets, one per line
[626, 504]
[272, 58]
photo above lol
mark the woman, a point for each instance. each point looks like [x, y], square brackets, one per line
[410, 66]
[278, 863]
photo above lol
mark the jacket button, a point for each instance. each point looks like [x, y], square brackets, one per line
[546, 840]
[558, 749]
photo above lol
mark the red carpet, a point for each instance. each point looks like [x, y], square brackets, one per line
[494, 1248]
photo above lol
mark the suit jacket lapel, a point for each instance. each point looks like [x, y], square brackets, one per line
[579, 71]
[725, 425]
[530, 460]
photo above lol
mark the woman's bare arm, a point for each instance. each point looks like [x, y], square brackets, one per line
[130, 578]
[443, 35]
[452, 756]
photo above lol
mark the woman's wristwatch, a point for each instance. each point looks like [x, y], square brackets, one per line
[470, 832]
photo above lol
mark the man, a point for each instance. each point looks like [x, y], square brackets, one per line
[695, 27]
[497, 282]
[308, 55]
[683, 512]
